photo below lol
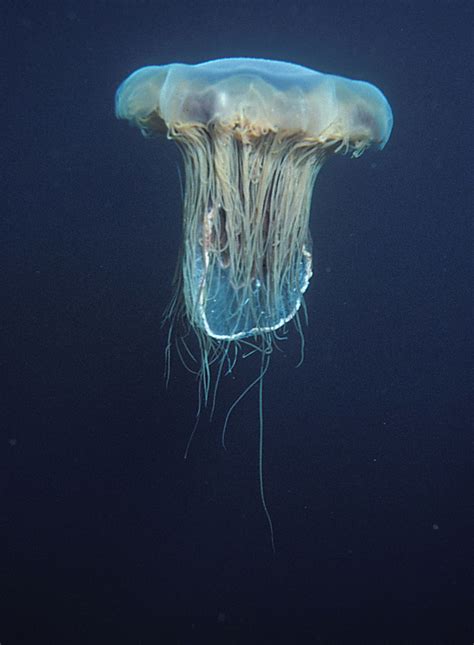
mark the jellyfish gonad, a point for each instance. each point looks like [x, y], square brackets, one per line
[254, 135]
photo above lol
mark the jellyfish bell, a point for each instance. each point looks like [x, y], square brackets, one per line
[254, 135]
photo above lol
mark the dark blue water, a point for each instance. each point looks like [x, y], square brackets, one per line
[107, 534]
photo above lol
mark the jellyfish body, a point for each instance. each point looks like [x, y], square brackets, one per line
[254, 135]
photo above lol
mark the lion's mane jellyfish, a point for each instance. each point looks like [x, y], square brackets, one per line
[254, 135]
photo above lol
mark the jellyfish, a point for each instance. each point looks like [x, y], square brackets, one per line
[254, 134]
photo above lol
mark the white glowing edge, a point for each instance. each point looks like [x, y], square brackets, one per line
[255, 330]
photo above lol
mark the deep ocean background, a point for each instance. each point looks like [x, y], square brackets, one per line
[107, 535]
